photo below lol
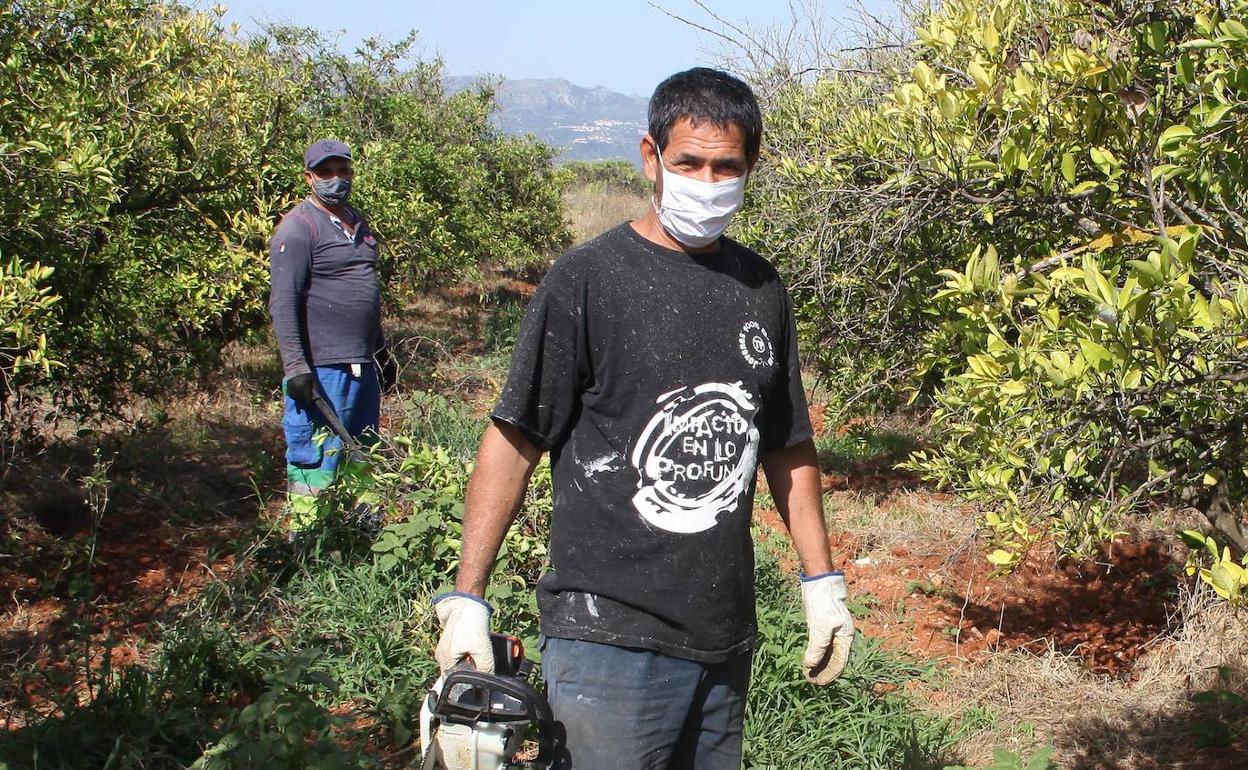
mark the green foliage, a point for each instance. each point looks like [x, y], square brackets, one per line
[1037, 211]
[1096, 373]
[840, 451]
[419, 490]
[159, 714]
[26, 316]
[369, 629]
[430, 483]
[502, 324]
[148, 153]
[1008, 760]
[343, 599]
[142, 156]
[284, 728]
[615, 175]
[1224, 712]
[1227, 577]
[790, 723]
[846, 257]
[434, 419]
[444, 191]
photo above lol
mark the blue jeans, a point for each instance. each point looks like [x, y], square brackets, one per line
[627, 709]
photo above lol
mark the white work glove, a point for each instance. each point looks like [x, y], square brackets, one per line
[830, 625]
[465, 620]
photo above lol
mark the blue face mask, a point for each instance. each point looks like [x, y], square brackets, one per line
[333, 191]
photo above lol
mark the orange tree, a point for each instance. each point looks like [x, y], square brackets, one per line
[142, 153]
[146, 153]
[1037, 210]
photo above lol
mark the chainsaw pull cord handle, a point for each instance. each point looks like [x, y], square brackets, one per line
[509, 657]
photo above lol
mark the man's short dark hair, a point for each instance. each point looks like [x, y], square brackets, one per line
[705, 95]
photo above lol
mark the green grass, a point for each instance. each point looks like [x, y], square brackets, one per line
[502, 323]
[864, 719]
[161, 714]
[371, 630]
[304, 635]
[855, 448]
[436, 420]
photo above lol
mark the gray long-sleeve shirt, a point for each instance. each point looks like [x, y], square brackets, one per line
[325, 298]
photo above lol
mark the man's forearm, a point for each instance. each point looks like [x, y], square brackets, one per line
[505, 461]
[793, 477]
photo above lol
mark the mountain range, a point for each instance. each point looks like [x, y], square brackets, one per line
[593, 123]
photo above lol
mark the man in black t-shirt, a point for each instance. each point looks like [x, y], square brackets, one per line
[658, 365]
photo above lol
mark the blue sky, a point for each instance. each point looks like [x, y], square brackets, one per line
[625, 45]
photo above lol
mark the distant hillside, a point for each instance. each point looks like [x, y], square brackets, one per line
[584, 123]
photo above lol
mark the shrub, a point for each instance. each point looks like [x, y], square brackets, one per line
[1037, 211]
[143, 168]
[605, 175]
[151, 154]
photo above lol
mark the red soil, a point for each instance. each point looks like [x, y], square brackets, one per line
[946, 603]
[1106, 615]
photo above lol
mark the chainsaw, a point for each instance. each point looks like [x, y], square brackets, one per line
[474, 720]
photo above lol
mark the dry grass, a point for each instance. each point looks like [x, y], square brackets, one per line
[593, 208]
[919, 521]
[1149, 721]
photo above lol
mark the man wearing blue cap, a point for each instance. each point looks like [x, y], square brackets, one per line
[325, 302]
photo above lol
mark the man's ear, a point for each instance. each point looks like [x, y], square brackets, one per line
[751, 162]
[650, 157]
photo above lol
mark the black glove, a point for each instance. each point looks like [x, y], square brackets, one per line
[301, 388]
[387, 370]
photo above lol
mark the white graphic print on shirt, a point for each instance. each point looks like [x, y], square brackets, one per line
[696, 456]
[755, 345]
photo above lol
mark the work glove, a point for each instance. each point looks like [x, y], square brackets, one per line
[387, 370]
[301, 388]
[465, 620]
[831, 627]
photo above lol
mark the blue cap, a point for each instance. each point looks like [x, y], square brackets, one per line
[324, 149]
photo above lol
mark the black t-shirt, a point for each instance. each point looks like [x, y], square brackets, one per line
[656, 379]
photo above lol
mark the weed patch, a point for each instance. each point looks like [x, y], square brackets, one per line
[370, 629]
[866, 718]
[857, 447]
[160, 714]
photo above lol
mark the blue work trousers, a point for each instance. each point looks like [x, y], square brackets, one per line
[312, 461]
[626, 709]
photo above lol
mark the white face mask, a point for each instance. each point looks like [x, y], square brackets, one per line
[696, 212]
